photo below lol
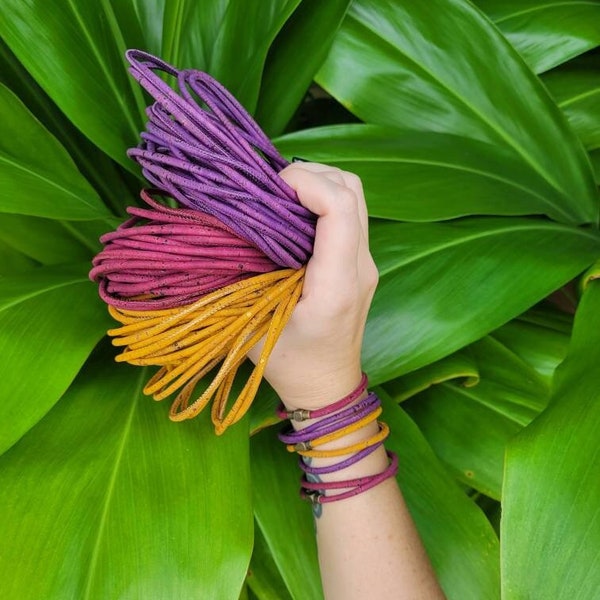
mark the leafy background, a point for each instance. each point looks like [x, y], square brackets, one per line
[476, 130]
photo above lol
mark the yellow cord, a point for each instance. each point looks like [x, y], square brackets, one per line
[189, 341]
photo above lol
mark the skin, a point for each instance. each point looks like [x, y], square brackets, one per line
[368, 545]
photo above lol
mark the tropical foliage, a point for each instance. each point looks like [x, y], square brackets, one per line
[475, 129]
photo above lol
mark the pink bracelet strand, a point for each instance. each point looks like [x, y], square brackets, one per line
[301, 414]
[315, 490]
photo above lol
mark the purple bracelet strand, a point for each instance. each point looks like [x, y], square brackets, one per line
[315, 491]
[332, 423]
[217, 160]
[351, 460]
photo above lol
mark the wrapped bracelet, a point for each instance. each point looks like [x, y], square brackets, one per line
[315, 490]
[303, 415]
[332, 423]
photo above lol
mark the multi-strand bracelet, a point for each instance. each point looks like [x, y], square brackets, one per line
[331, 423]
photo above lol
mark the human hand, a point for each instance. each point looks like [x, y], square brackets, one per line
[316, 360]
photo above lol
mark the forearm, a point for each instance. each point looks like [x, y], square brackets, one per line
[368, 545]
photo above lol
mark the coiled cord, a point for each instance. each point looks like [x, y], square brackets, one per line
[196, 287]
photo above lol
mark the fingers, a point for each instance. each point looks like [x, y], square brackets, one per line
[338, 234]
[344, 178]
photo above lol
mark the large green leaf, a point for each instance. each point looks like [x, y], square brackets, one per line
[540, 338]
[50, 319]
[263, 577]
[469, 427]
[116, 501]
[551, 501]
[37, 175]
[461, 543]
[245, 36]
[311, 27]
[74, 50]
[12, 261]
[427, 176]
[576, 89]
[546, 33]
[396, 64]
[444, 285]
[101, 172]
[47, 241]
[460, 366]
[284, 519]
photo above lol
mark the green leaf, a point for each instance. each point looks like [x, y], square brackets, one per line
[240, 50]
[116, 501]
[445, 285]
[427, 176]
[594, 156]
[37, 175]
[47, 241]
[13, 262]
[100, 171]
[396, 65]
[460, 541]
[50, 319]
[540, 338]
[263, 577]
[300, 48]
[552, 473]
[289, 533]
[576, 89]
[546, 33]
[460, 366]
[74, 50]
[469, 427]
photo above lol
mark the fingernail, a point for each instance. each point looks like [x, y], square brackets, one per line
[298, 159]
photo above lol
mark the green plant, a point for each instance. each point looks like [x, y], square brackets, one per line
[478, 130]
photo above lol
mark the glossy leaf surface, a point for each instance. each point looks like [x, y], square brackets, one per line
[284, 519]
[576, 89]
[100, 171]
[429, 176]
[74, 50]
[263, 577]
[469, 426]
[441, 66]
[246, 32]
[37, 175]
[460, 366]
[423, 310]
[289, 68]
[50, 319]
[552, 472]
[47, 241]
[12, 261]
[127, 503]
[546, 33]
[460, 542]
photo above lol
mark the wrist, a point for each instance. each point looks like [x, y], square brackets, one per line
[321, 391]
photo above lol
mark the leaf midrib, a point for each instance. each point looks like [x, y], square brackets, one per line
[482, 234]
[39, 292]
[499, 133]
[98, 56]
[111, 487]
[541, 7]
[51, 182]
[458, 167]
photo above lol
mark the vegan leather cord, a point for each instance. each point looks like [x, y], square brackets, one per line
[196, 286]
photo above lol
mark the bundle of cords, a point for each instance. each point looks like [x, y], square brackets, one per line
[196, 286]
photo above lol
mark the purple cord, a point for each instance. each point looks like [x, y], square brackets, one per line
[217, 160]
